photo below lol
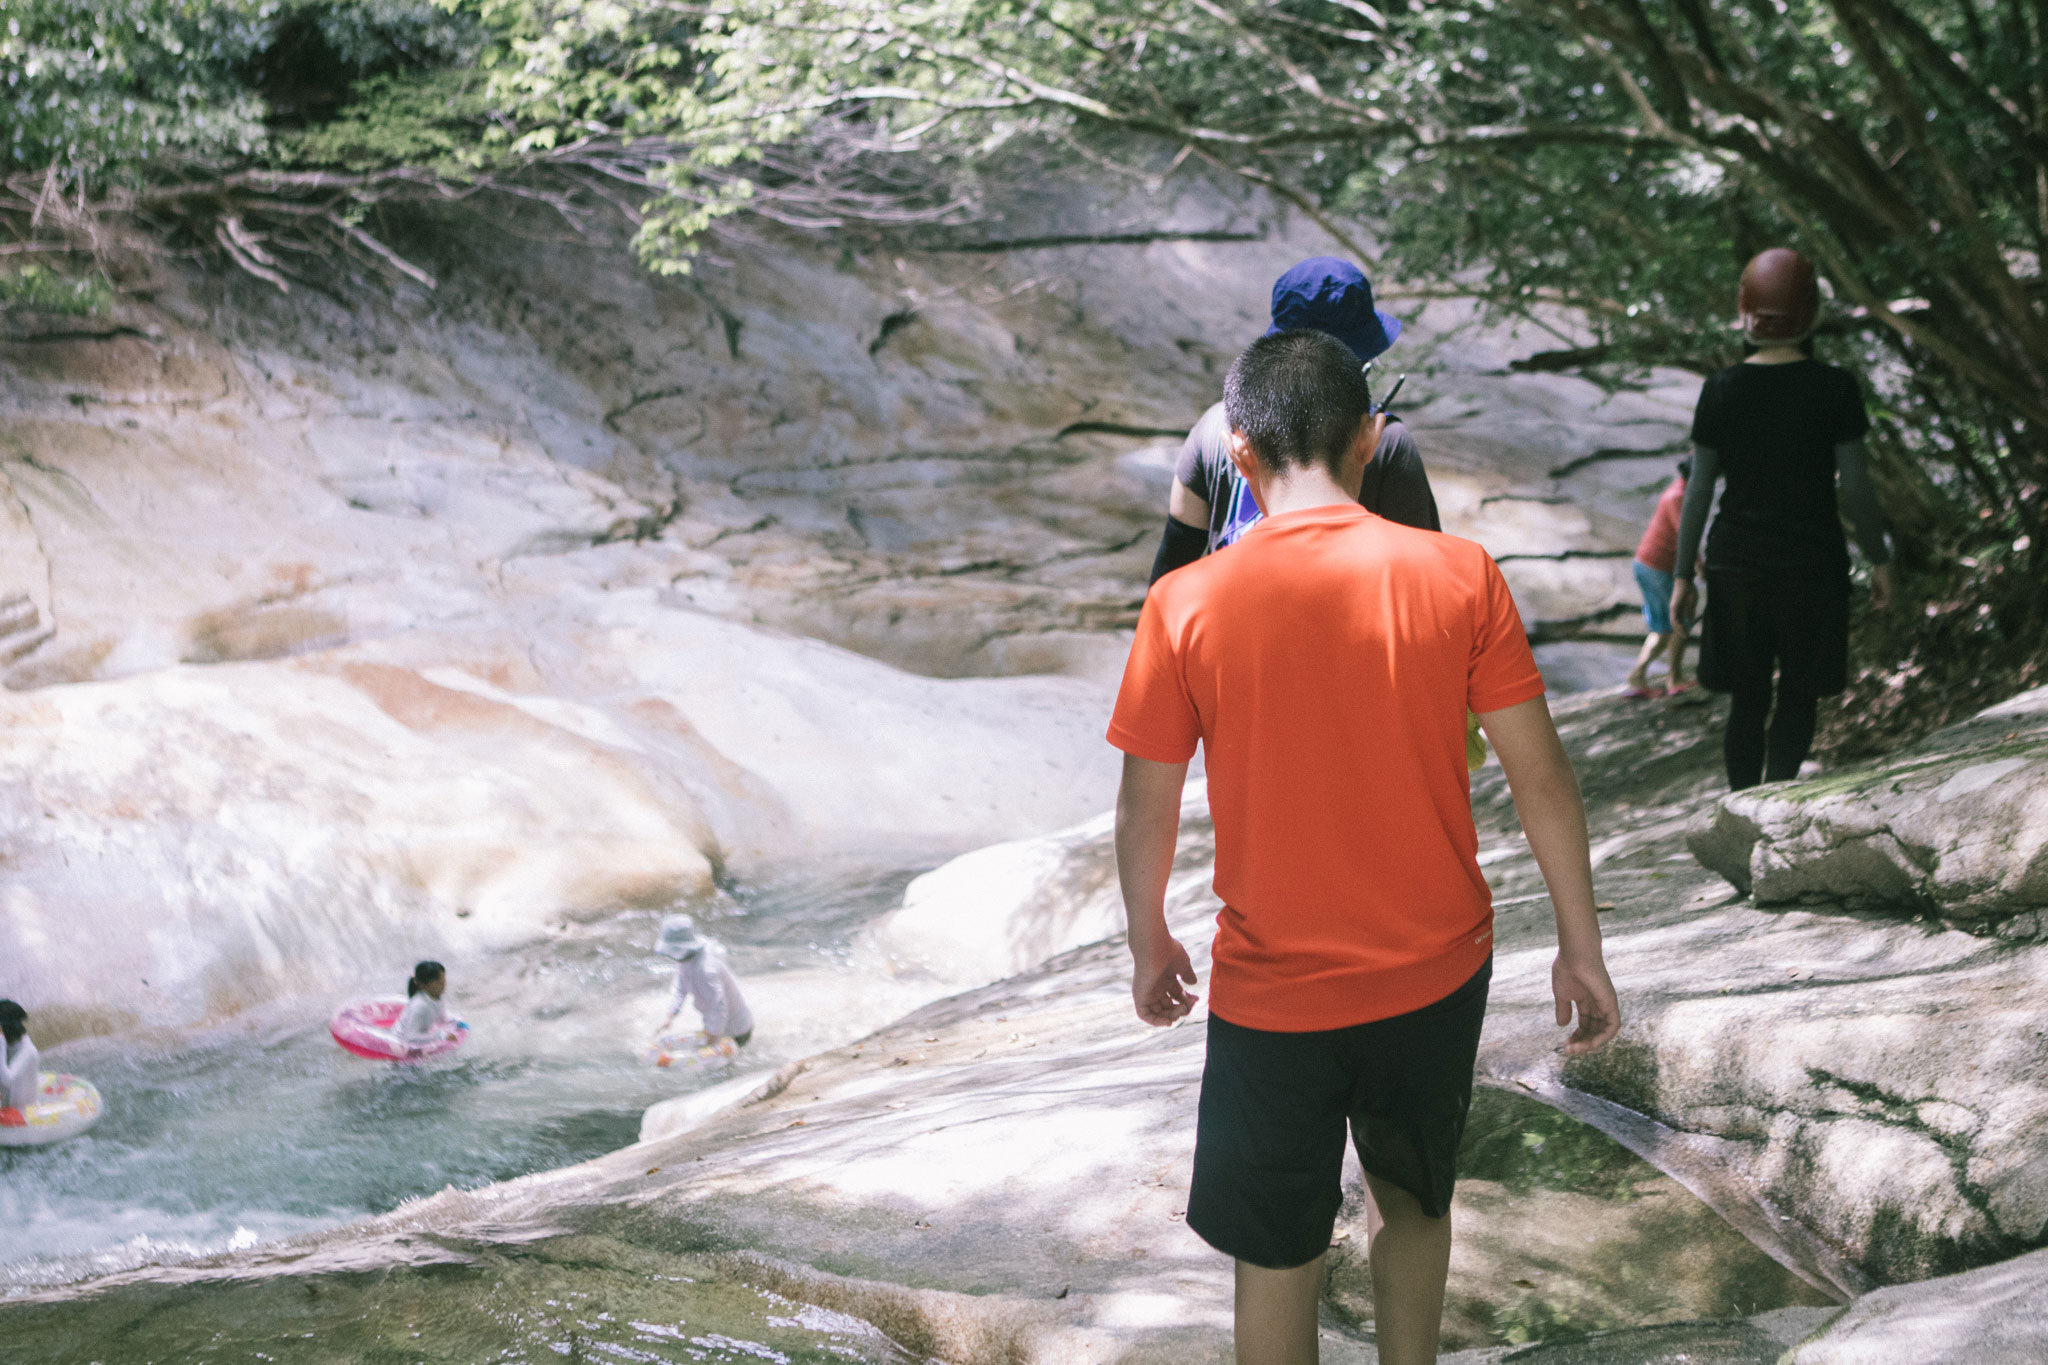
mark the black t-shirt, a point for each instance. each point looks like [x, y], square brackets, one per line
[1775, 428]
[1396, 486]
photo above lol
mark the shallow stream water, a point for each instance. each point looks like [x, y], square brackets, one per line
[263, 1128]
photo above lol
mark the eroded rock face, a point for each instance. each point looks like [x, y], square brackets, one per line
[1955, 826]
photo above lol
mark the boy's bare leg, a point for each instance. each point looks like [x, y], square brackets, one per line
[1410, 1254]
[1639, 675]
[1276, 1313]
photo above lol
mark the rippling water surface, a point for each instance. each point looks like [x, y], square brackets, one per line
[263, 1127]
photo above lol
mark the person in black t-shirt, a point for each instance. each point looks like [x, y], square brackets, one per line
[1782, 429]
[1210, 506]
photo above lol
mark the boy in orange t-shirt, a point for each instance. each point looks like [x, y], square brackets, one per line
[1325, 663]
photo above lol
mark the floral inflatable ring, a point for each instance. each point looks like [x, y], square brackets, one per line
[65, 1106]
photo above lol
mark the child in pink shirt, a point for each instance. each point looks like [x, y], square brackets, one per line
[1656, 564]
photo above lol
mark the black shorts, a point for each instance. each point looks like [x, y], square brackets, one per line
[1269, 1143]
[1794, 624]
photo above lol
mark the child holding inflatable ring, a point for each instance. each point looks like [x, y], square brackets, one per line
[425, 1019]
[702, 976]
[20, 1065]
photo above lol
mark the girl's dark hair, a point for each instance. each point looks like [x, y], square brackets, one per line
[422, 973]
[13, 1018]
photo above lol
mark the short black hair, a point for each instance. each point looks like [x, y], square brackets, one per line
[1298, 397]
[12, 1017]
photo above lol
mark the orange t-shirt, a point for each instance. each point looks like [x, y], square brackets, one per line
[1325, 662]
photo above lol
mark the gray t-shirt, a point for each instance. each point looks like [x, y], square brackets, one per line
[1396, 486]
[706, 978]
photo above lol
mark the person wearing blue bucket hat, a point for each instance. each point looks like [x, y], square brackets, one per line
[1331, 295]
[1209, 505]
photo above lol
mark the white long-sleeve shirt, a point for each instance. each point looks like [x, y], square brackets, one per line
[717, 992]
[424, 1021]
[20, 1074]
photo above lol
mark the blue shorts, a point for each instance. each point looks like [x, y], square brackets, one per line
[1656, 586]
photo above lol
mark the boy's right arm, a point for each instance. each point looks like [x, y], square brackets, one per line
[1147, 826]
[1554, 818]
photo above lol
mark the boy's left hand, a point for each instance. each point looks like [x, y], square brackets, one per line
[1157, 984]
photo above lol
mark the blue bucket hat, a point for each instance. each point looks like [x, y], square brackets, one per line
[1332, 295]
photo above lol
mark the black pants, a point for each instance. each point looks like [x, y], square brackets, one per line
[1776, 643]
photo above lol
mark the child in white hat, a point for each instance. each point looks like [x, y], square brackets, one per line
[701, 974]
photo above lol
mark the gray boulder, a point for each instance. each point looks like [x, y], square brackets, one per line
[1956, 826]
[1994, 1316]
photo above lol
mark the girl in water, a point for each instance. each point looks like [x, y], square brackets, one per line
[425, 1019]
[20, 1067]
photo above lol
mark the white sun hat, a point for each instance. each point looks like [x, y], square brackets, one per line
[679, 938]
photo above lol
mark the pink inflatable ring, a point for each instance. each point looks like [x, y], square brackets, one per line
[366, 1029]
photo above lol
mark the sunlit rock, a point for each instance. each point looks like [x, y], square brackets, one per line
[1956, 825]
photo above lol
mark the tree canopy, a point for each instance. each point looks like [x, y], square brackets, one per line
[1617, 157]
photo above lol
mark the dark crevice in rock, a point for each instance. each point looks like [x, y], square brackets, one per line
[1559, 556]
[731, 324]
[1610, 453]
[20, 635]
[1549, 361]
[1547, 501]
[1580, 627]
[755, 527]
[1118, 429]
[612, 416]
[891, 325]
[109, 334]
